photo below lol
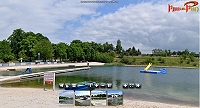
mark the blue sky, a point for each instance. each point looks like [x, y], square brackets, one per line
[66, 93]
[120, 92]
[80, 93]
[98, 92]
[145, 24]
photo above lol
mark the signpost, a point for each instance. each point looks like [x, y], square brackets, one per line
[21, 60]
[39, 57]
[49, 77]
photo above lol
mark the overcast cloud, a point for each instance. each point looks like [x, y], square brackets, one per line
[146, 25]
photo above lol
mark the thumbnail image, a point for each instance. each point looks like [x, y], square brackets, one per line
[66, 97]
[82, 98]
[98, 98]
[115, 97]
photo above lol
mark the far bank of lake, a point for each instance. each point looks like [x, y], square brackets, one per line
[157, 61]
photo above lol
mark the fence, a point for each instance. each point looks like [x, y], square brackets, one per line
[25, 63]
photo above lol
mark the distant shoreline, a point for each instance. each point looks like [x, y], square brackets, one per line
[166, 66]
[115, 64]
[19, 68]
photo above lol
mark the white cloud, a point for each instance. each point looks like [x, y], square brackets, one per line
[46, 16]
[146, 26]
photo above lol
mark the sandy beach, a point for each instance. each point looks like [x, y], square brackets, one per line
[38, 98]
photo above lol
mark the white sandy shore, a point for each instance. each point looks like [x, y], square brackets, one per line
[5, 68]
[38, 98]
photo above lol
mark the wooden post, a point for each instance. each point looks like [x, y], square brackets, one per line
[44, 84]
[88, 64]
[54, 78]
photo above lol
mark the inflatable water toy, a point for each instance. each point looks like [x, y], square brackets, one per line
[161, 71]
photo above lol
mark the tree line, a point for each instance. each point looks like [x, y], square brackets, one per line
[33, 46]
[29, 46]
[165, 53]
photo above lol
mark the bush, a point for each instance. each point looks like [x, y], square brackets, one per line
[112, 54]
[192, 58]
[124, 60]
[181, 60]
[127, 60]
[105, 58]
[161, 60]
[188, 62]
[149, 60]
[195, 64]
[133, 60]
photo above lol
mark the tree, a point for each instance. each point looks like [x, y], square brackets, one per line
[88, 51]
[28, 46]
[15, 38]
[44, 47]
[118, 47]
[40, 37]
[107, 47]
[75, 52]
[191, 56]
[134, 51]
[185, 52]
[54, 51]
[76, 42]
[169, 52]
[139, 53]
[110, 47]
[5, 51]
[128, 52]
[61, 50]
[105, 58]
[157, 52]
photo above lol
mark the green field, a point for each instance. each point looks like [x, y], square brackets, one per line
[156, 61]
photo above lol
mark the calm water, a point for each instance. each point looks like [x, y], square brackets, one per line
[178, 86]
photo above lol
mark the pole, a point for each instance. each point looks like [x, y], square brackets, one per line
[44, 84]
[38, 57]
[54, 78]
[66, 57]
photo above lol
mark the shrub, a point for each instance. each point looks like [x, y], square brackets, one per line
[162, 61]
[195, 64]
[149, 60]
[192, 58]
[124, 60]
[127, 60]
[105, 58]
[188, 62]
[159, 58]
[133, 60]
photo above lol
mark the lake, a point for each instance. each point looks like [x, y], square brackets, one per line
[178, 86]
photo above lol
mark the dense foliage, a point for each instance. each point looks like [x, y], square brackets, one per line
[33, 46]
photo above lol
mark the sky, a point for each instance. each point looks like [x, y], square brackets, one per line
[98, 92]
[66, 93]
[81, 93]
[144, 24]
[115, 92]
